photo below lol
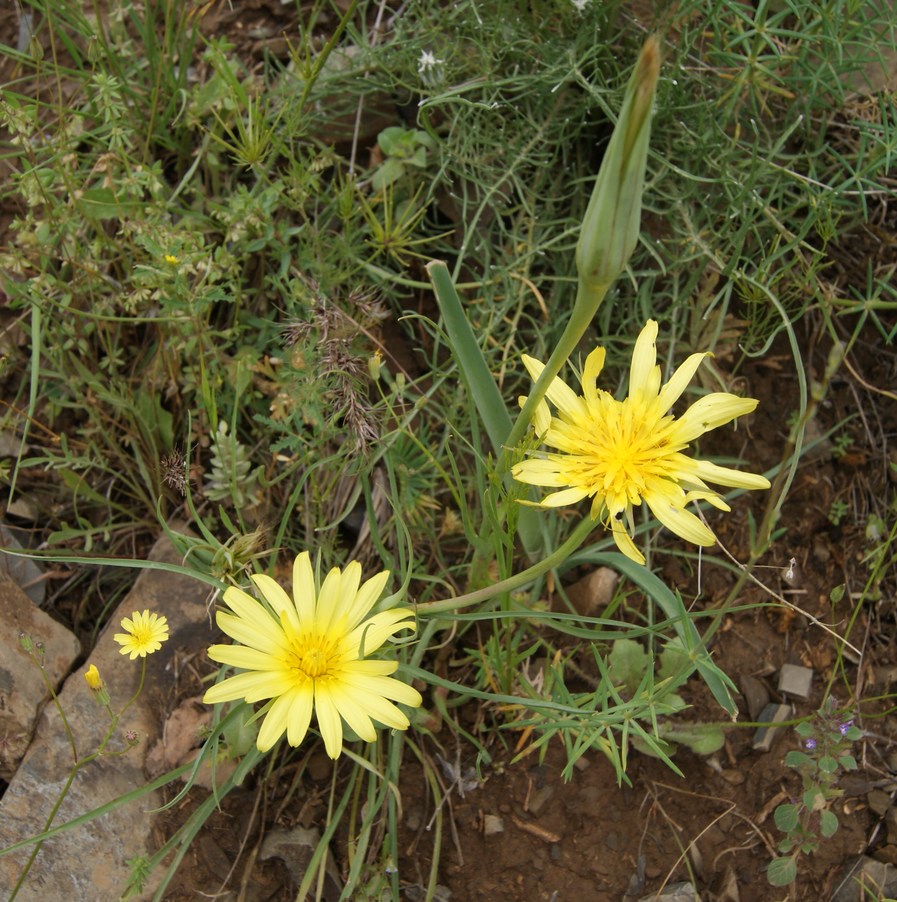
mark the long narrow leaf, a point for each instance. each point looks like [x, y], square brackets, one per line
[490, 404]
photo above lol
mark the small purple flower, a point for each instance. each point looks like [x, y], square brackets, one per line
[844, 727]
[810, 744]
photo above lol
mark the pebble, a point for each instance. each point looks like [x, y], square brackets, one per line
[795, 680]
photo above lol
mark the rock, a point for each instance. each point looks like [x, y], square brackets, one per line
[90, 861]
[295, 848]
[594, 592]
[795, 680]
[879, 801]
[22, 688]
[23, 570]
[771, 714]
[675, 892]
[755, 694]
[866, 878]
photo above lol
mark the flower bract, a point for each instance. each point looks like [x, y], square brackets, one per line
[620, 453]
[144, 634]
[309, 653]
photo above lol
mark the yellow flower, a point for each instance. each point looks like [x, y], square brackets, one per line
[308, 653]
[144, 634]
[171, 260]
[619, 453]
[94, 680]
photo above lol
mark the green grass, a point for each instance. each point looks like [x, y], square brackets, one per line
[206, 284]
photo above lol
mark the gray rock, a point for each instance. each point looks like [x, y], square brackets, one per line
[771, 714]
[90, 861]
[675, 892]
[795, 680]
[866, 878]
[24, 570]
[22, 688]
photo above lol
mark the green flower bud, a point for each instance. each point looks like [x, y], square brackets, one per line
[610, 228]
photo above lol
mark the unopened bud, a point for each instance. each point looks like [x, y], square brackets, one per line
[611, 225]
[92, 675]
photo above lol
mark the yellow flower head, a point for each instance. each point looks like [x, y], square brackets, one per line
[171, 260]
[144, 634]
[94, 680]
[308, 653]
[619, 453]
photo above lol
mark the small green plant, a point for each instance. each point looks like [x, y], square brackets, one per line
[402, 147]
[841, 444]
[826, 741]
[628, 664]
[837, 511]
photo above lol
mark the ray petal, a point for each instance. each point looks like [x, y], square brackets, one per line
[710, 412]
[728, 477]
[644, 360]
[672, 391]
[559, 393]
[299, 715]
[329, 722]
[538, 472]
[258, 631]
[366, 597]
[275, 723]
[304, 592]
[275, 595]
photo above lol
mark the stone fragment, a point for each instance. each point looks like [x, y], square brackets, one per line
[22, 688]
[795, 680]
[772, 715]
[755, 693]
[866, 878]
[675, 892]
[24, 570]
[879, 801]
[91, 860]
[593, 593]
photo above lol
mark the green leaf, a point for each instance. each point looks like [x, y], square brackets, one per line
[828, 823]
[786, 817]
[673, 608]
[701, 738]
[848, 762]
[481, 385]
[389, 171]
[99, 203]
[781, 871]
[627, 663]
[828, 765]
[797, 759]
[814, 799]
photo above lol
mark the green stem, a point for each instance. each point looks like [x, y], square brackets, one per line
[584, 310]
[558, 556]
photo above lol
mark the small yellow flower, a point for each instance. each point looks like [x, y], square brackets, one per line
[619, 453]
[309, 653]
[144, 634]
[94, 680]
[171, 260]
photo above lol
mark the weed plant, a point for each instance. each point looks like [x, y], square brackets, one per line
[218, 312]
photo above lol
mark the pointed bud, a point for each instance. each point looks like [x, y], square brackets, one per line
[610, 228]
[94, 680]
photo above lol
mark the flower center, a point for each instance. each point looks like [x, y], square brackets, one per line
[312, 655]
